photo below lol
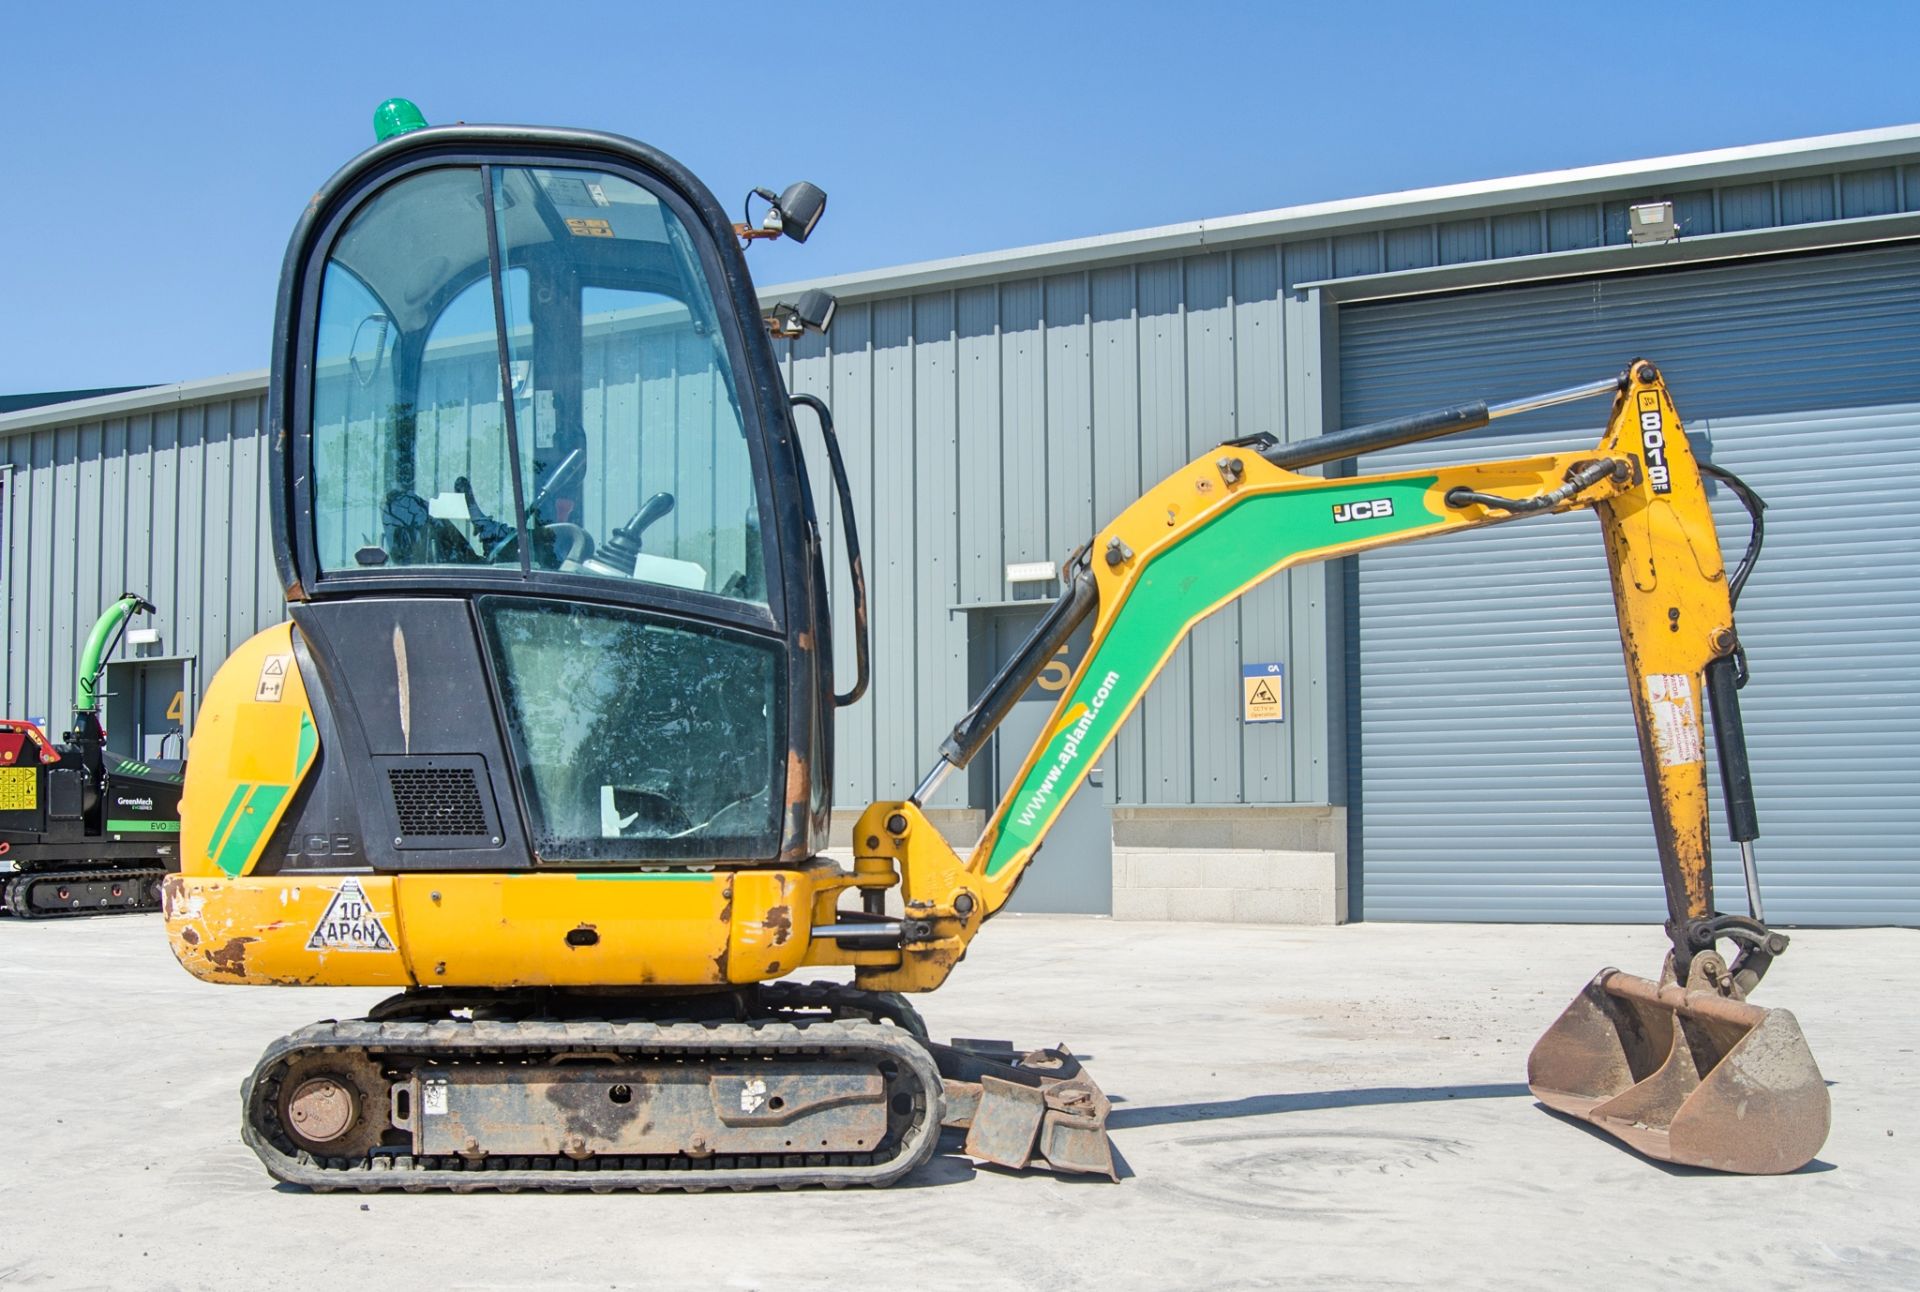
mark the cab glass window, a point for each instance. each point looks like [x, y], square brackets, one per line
[633, 464]
[638, 738]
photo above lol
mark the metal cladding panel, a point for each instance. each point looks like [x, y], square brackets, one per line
[1869, 192]
[1518, 235]
[1003, 423]
[168, 502]
[1498, 773]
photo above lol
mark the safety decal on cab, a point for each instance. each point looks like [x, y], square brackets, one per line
[1674, 717]
[273, 679]
[350, 923]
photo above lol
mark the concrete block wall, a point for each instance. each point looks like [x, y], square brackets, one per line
[1229, 885]
[1238, 864]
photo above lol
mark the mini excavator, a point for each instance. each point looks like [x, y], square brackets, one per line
[546, 746]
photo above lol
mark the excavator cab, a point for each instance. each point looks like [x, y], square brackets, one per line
[530, 434]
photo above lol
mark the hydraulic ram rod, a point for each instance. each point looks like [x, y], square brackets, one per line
[970, 734]
[1429, 425]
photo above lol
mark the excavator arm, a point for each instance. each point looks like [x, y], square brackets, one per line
[1234, 517]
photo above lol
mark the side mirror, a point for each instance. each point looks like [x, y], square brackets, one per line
[811, 310]
[793, 213]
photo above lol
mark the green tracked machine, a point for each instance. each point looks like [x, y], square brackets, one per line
[83, 830]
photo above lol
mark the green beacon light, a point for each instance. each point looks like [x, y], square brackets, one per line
[397, 117]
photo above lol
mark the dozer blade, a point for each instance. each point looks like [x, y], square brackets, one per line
[1686, 1076]
[1020, 1109]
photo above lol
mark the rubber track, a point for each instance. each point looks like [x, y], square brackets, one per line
[456, 1040]
[15, 892]
[845, 1001]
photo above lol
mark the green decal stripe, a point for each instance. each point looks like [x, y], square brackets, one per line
[1209, 566]
[303, 754]
[249, 826]
[142, 827]
[658, 877]
[234, 801]
[231, 849]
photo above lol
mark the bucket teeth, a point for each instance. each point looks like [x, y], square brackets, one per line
[1690, 1077]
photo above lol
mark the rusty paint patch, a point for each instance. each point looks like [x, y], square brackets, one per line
[726, 944]
[232, 957]
[798, 789]
[190, 936]
[779, 922]
[589, 1110]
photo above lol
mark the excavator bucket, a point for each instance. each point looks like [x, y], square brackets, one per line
[1686, 1076]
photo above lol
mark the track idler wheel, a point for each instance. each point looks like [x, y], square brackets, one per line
[334, 1105]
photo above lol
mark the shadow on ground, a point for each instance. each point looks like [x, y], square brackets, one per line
[1263, 1105]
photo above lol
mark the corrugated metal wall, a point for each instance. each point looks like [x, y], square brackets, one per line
[1038, 407]
[1800, 375]
[1001, 424]
[985, 424]
[169, 502]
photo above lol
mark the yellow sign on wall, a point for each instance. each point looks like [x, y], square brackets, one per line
[1262, 687]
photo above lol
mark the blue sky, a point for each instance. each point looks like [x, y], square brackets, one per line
[158, 155]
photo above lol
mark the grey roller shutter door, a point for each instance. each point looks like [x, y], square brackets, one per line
[1497, 775]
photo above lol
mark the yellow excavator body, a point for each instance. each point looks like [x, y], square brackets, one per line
[588, 890]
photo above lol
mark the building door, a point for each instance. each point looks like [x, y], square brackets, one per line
[148, 709]
[1073, 872]
[1797, 373]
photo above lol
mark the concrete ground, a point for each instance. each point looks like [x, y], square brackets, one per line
[1339, 1107]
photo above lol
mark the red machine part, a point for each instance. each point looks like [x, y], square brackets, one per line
[14, 738]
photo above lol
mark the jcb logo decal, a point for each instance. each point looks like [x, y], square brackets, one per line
[1372, 509]
[1654, 439]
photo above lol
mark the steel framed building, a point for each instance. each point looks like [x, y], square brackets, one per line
[995, 408]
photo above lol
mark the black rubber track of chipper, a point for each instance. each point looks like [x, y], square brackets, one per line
[141, 889]
[911, 1140]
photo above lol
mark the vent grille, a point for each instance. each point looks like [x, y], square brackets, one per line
[438, 802]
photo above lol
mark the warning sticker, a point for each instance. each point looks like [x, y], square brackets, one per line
[1675, 719]
[433, 1096]
[273, 680]
[350, 924]
[589, 228]
[1261, 686]
[19, 789]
